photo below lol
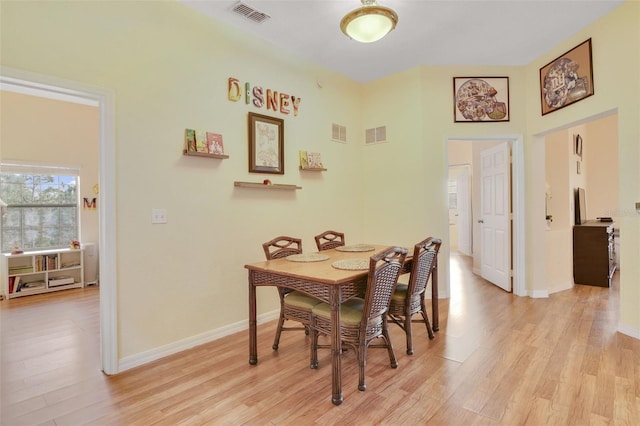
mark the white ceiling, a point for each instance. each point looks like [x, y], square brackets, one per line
[429, 32]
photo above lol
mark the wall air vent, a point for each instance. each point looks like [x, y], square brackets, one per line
[376, 135]
[249, 12]
[338, 133]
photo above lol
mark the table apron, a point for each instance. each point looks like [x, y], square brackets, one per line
[312, 288]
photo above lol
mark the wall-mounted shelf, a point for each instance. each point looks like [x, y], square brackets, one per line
[203, 154]
[314, 169]
[263, 186]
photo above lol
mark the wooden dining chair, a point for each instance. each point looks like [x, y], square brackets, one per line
[408, 299]
[329, 239]
[294, 305]
[363, 320]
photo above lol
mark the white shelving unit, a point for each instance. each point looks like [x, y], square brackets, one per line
[43, 271]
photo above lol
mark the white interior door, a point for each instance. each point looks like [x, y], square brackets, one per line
[495, 221]
[463, 180]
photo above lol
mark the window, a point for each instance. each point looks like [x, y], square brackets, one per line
[42, 207]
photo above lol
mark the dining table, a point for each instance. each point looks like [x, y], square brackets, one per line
[332, 276]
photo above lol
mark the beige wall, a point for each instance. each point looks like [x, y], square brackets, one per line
[44, 131]
[171, 278]
[600, 154]
[168, 67]
[460, 152]
[560, 164]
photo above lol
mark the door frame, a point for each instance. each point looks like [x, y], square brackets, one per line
[516, 142]
[105, 98]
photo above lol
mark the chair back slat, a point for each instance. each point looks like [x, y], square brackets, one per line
[329, 239]
[282, 246]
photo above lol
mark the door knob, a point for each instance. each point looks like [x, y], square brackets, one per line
[481, 221]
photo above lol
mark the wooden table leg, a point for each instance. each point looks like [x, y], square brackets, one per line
[336, 345]
[435, 323]
[253, 337]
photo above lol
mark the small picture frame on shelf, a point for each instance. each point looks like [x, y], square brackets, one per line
[266, 144]
[203, 142]
[310, 160]
[315, 160]
[304, 160]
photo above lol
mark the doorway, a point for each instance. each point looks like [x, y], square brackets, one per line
[460, 148]
[591, 165]
[105, 99]
[460, 212]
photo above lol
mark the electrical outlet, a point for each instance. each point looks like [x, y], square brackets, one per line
[158, 215]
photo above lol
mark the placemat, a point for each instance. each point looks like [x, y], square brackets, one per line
[307, 257]
[356, 247]
[351, 264]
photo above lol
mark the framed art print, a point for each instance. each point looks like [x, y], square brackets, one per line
[480, 99]
[567, 79]
[266, 144]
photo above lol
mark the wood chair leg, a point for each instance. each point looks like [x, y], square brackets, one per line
[408, 333]
[313, 356]
[276, 340]
[393, 362]
[362, 363]
[385, 336]
[426, 321]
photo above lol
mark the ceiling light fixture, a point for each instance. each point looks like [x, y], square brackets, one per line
[369, 23]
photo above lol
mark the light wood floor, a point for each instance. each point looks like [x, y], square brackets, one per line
[497, 360]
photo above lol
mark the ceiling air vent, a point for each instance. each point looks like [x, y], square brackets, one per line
[338, 133]
[250, 13]
[375, 135]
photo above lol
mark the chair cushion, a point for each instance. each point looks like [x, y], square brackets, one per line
[401, 293]
[300, 300]
[350, 311]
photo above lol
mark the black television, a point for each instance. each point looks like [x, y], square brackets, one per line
[580, 206]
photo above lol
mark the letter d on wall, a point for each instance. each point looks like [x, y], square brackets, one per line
[234, 89]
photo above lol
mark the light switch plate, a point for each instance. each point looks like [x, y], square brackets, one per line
[158, 215]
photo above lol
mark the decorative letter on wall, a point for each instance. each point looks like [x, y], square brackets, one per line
[89, 204]
[262, 97]
[234, 89]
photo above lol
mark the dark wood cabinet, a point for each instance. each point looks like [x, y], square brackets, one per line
[593, 253]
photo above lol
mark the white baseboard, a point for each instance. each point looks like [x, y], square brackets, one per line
[141, 358]
[628, 330]
[538, 294]
[561, 287]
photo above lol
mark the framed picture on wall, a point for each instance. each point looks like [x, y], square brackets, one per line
[578, 145]
[480, 99]
[266, 144]
[567, 79]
